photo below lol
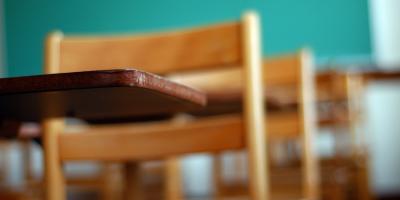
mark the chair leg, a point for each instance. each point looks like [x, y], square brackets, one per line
[310, 161]
[363, 189]
[54, 177]
[254, 110]
[173, 179]
[111, 186]
[310, 180]
[217, 176]
[132, 190]
[26, 159]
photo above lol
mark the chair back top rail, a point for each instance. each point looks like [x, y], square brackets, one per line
[278, 72]
[160, 53]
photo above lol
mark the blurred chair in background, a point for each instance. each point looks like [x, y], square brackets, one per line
[290, 121]
[345, 173]
[18, 182]
[231, 44]
[295, 138]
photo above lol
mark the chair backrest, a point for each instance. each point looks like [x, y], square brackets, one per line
[285, 73]
[289, 79]
[340, 95]
[332, 86]
[296, 74]
[283, 77]
[232, 44]
[283, 70]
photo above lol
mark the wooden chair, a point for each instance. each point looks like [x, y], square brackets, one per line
[343, 93]
[289, 84]
[204, 48]
[340, 96]
[296, 72]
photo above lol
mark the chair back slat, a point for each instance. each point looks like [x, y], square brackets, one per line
[282, 70]
[160, 53]
[278, 72]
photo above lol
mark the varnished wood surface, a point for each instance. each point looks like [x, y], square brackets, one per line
[380, 74]
[368, 73]
[94, 95]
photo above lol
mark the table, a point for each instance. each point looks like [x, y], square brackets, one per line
[92, 95]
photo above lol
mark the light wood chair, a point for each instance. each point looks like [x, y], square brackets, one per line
[204, 48]
[343, 94]
[289, 83]
[340, 94]
[297, 71]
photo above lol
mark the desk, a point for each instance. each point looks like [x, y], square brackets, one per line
[94, 95]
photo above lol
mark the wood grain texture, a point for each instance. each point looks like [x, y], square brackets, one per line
[94, 94]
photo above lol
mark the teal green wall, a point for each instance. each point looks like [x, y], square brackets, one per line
[334, 28]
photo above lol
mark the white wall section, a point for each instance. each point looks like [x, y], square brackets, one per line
[385, 30]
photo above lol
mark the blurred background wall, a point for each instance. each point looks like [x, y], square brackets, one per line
[334, 28]
[2, 41]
